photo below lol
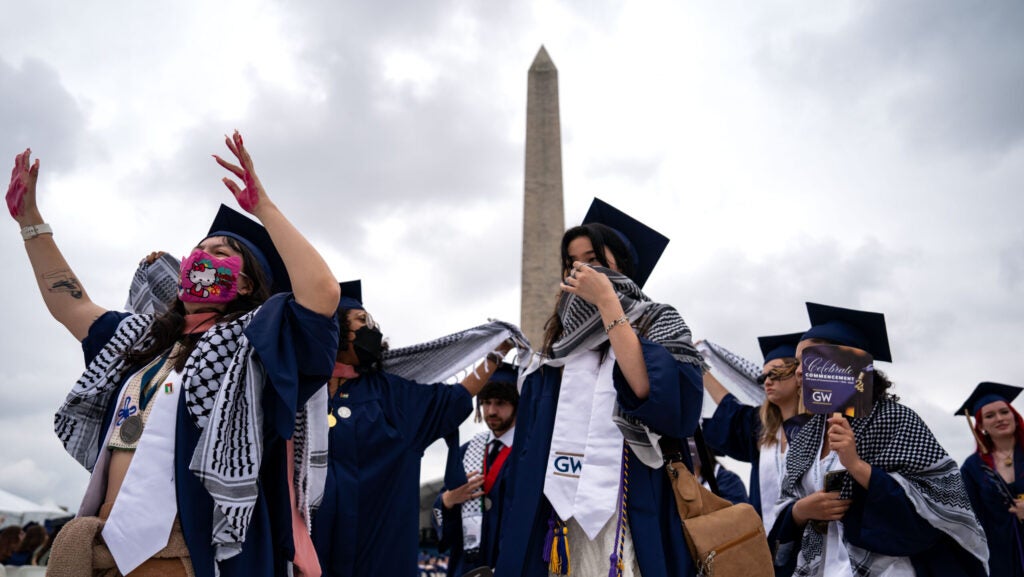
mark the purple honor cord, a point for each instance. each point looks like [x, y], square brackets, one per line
[615, 561]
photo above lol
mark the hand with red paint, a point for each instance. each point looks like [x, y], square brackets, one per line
[21, 192]
[253, 198]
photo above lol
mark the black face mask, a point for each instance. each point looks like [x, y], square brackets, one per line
[367, 345]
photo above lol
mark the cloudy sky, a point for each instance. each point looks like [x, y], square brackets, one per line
[864, 154]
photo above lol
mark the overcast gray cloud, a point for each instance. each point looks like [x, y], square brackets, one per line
[862, 155]
[39, 110]
[948, 74]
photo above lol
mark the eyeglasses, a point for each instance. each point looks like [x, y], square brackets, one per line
[777, 374]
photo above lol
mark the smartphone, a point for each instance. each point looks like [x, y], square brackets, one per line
[834, 481]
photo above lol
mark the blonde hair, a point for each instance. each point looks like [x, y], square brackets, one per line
[771, 415]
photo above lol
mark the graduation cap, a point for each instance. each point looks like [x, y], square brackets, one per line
[986, 393]
[859, 329]
[779, 346]
[250, 233]
[351, 295]
[645, 244]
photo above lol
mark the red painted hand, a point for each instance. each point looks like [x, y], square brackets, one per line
[249, 197]
[22, 188]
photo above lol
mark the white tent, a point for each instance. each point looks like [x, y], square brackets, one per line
[15, 510]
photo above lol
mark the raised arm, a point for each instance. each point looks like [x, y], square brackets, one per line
[714, 388]
[63, 293]
[312, 281]
[476, 379]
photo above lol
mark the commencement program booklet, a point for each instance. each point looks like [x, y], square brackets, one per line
[837, 379]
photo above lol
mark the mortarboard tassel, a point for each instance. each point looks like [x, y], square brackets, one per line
[970, 426]
[558, 550]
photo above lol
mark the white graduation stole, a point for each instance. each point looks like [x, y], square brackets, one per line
[143, 514]
[585, 459]
[771, 469]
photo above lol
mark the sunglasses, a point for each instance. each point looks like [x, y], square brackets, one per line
[777, 374]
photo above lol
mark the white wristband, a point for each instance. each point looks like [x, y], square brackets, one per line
[33, 230]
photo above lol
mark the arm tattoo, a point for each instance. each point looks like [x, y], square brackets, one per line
[62, 281]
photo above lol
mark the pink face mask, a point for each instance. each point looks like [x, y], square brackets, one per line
[208, 279]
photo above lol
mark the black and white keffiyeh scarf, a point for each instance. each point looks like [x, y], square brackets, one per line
[737, 374]
[154, 286]
[223, 385]
[583, 329]
[441, 359]
[472, 461]
[894, 438]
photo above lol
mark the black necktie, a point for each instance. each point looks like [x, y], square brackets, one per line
[493, 454]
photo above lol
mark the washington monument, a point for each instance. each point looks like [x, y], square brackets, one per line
[543, 212]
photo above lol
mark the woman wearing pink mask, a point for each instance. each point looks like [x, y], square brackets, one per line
[183, 418]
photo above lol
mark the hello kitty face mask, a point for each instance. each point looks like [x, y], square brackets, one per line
[208, 279]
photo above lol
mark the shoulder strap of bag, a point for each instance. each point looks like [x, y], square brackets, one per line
[673, 451]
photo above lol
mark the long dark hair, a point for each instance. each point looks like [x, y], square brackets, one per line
[601, 237]
[166, 329]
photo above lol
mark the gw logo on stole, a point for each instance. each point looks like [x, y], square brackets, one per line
[568, 464]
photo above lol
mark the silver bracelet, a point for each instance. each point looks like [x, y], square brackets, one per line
[619, 321]
[33, 230]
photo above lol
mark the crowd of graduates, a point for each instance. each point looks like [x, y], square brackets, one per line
[254, 421]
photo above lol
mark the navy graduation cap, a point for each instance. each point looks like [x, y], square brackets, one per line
[645, 244]
[986, 393]
[503, 384]
[779, 346]
[853, 328]
[351, 295]
[250, 233]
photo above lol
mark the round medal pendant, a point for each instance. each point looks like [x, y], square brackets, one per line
[131, 429]
[344, 412]
[331, 420]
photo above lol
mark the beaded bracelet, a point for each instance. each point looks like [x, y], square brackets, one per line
[619, 321]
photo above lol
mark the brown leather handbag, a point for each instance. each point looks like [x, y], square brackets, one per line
[725, 540]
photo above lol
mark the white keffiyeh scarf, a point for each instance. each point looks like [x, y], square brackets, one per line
[472, 510]
[440, 359]
[223, 386]
[894, 438]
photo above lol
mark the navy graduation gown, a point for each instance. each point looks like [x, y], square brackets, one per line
[671, 409]
[296, 348]
[368, 523]
[449, 532]
[730, 486]
[1001, 527]
[882, 519]
[733, 431]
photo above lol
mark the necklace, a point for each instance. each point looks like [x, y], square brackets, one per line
[1007, 459]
